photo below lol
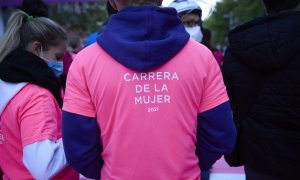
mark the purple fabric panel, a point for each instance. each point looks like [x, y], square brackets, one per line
[19, 2]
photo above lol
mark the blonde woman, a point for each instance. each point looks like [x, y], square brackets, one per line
[30, 113]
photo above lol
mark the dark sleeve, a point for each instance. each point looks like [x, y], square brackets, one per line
[82, 144]
[216, 135]
[228, 58]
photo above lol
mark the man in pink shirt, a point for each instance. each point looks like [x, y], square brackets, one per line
[145, 101]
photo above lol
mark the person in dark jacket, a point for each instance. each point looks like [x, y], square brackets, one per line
[262, 73]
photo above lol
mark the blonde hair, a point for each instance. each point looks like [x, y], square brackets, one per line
[23, 29]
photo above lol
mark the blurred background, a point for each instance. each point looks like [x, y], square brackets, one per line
[82, 17]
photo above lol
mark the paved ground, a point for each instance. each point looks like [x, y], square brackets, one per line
[221, 171]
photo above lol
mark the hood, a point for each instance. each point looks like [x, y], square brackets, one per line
[143, 37]
[267, 43]
[8, 91]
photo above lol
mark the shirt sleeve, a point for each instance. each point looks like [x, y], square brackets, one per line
[77, 97]
[216, 135]
[39, 118]
[44, 159]
[214, 91]
[87, 159]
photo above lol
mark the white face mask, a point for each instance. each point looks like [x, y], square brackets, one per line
[195, 33]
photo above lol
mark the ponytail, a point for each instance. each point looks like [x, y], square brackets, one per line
[23, 29]
[11, 37]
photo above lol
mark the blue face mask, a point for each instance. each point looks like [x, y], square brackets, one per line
[56, 66]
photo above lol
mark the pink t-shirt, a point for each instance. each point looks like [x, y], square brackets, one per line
[32, 115]
[148, 120]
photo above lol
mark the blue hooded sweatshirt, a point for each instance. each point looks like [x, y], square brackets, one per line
[143, 38]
